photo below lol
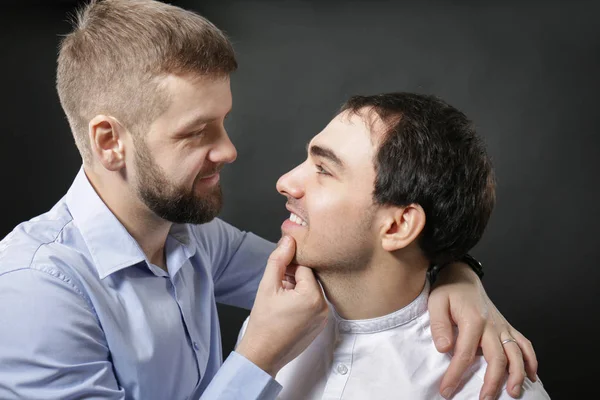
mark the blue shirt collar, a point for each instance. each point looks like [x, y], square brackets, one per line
[110, 244]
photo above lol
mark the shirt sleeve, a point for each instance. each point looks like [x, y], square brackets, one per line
[51, 343]
[238, 261]
[240, 379]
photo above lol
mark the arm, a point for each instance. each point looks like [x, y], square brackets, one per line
[284, 321]
[458, 296]
[240, 379]
[51, 344]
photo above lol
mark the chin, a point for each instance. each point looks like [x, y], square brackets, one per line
[301, 259]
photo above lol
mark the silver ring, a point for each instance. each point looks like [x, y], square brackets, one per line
[509, 340]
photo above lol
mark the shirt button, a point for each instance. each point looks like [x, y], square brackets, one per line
[342, 369]
[196, 347]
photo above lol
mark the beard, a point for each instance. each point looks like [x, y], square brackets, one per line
[170, 202]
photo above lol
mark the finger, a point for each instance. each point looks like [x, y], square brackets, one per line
[289, 278]
[469, 334]
[306, 280]
[278, 261]
[495, 373]
[287, 285]
[441, 324]
[516, 367]
[531, 362]
[290, 273]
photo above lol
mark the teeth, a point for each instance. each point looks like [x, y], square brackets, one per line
[296, 219]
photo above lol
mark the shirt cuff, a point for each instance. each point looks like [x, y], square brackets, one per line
[240, 379]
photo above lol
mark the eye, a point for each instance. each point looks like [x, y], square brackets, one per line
[197, 134]
[321, 170]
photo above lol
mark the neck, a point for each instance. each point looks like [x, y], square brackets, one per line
[148, 230]
[385, 286]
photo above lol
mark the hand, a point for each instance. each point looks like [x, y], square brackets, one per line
[286, 316]
[459, 297]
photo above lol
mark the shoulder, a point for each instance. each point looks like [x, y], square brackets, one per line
[50, 247]
[220, 238]
[28, 243]
[530, 391]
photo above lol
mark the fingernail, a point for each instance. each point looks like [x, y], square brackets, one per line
[488, 398]
[285, 241]
[442, 342]
[516, 390]
[447, 392]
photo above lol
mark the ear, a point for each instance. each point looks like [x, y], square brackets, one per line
[106, 136]
[402, 226]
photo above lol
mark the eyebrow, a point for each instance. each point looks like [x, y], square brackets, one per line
[324, 152]
[197, 121]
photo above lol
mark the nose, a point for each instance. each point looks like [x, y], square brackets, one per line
[291, 183]
[223, 152]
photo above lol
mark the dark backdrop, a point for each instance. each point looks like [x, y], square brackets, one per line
[526, 72]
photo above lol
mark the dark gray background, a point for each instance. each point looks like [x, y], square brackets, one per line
[525, 72]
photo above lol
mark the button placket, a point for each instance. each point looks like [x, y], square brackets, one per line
[179, 294]
[341, 363]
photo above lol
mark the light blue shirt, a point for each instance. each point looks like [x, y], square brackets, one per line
[83, 314]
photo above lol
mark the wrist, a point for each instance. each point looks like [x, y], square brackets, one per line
[257, 357]
[466, 264]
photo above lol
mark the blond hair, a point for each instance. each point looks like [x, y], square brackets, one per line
[110, 61]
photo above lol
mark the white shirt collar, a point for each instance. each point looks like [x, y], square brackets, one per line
[404, 315]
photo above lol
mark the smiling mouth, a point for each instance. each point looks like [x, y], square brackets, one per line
[210, 178]
[297, 220]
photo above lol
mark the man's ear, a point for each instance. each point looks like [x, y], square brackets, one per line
[402, 226]
[107, 136]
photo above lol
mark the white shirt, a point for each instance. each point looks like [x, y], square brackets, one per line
[390, 357]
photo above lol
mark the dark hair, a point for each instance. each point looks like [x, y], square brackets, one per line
[431, 155]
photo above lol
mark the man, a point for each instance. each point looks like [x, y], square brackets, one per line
[395, 183]
[112, 293]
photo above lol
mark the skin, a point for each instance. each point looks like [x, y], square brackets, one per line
[366, 255]
[349, 241]
[178, 156]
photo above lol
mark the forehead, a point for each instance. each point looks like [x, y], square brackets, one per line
[193, 97]
[349, 136]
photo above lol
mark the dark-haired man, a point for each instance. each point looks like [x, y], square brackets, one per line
[395, 183]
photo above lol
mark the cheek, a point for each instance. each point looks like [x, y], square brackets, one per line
[184, 168]
[332, 213]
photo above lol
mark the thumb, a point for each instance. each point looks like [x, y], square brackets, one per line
[278, 261]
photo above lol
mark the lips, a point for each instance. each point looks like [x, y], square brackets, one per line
[209, 177]
[296, 216]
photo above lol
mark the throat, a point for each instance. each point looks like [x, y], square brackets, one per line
[373, 292]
